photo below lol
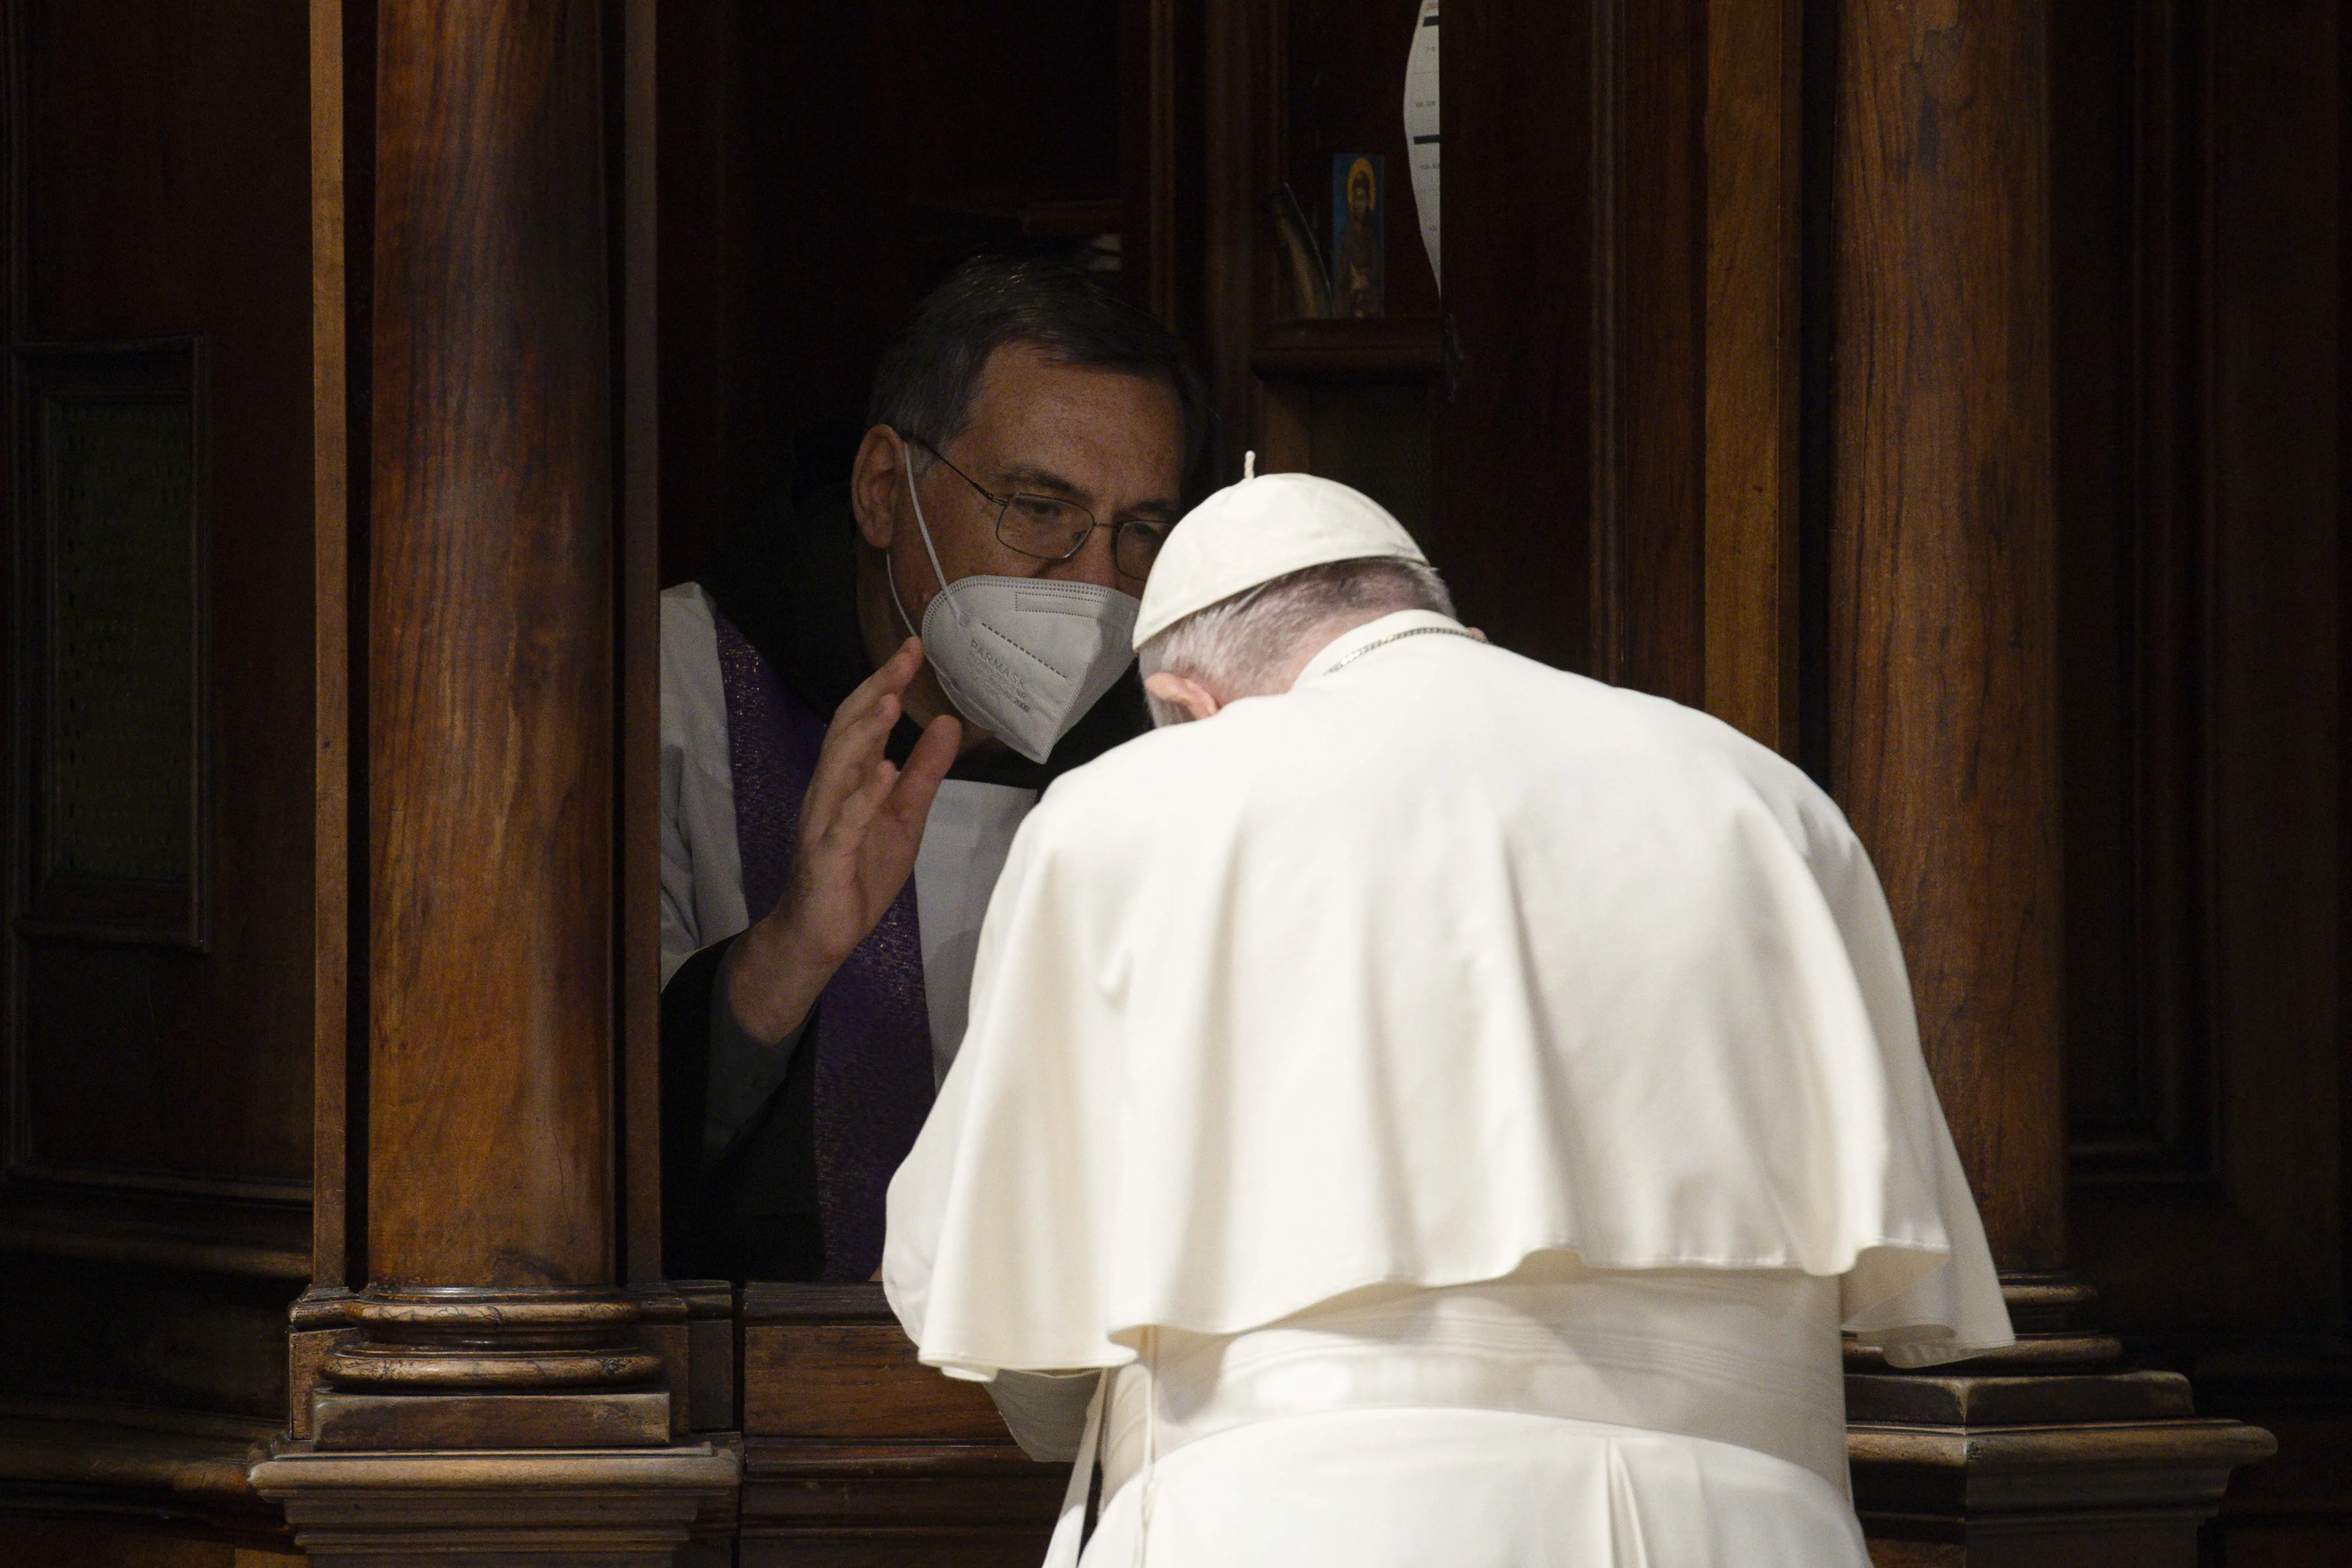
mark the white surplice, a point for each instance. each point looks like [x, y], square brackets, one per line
[965, 839]
[1443, 969]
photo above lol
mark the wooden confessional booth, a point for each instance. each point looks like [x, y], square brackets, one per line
[1948, 393]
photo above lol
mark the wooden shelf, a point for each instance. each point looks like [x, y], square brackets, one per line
[1383, 346]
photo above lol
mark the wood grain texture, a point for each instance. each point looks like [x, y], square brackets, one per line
[944, 1505]
[1650, 369]
[2112, 1494]
[856, 1382]
[1752, 356]
[1160, 140]
[1516, 455]
[2131, 267]
[2198, 192]
[638, 877]
[1942, 678]
[1242, 55]
[854, 1453]
[156, 1474]
[330, 598]
[195, 128]
[158, 180]
[491, 653]
[607, 1509]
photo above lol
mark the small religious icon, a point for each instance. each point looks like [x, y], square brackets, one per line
[1358, 247]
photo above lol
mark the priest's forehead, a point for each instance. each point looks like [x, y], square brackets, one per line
[1110, 441]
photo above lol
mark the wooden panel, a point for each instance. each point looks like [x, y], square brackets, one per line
[1942, 645]
[159, 180]
[62, 1543]
[1161, 142]
[2129, 368]
[2197, 212]
[1650, 367]
[855, 1380]
[2202, 585]
[1371, 434]
[342, 80]
[2277, 709]
[883, 1509]
[115, 771]
[855, 1454]
[830, 1361]
[1516, 455]
[112, 1333]
[1752, 353]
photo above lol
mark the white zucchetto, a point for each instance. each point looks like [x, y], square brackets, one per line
[1259, 530]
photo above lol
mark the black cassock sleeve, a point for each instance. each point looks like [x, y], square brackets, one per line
[747, 1211]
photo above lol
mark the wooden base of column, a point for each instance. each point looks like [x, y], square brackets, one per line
[362, 1422]
[2113, 1494]
[465, 1369]
[602, 1509]
[2040, 1456]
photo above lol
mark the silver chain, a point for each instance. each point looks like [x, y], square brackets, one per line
[1397, 637]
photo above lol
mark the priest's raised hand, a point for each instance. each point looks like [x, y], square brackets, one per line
[860, 826]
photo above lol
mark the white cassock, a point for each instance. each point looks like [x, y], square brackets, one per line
[1462, 1102]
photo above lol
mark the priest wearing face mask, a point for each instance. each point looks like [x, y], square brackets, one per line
[859, 707]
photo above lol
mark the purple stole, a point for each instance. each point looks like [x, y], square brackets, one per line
[873, 1031]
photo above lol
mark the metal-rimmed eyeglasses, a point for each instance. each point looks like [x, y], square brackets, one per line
[1047, 528]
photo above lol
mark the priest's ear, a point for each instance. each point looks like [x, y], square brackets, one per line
[877, 485]
[1177, 694]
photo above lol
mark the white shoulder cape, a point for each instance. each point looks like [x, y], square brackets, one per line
[1434, 961]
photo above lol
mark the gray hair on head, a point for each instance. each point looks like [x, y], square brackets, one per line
[924, 384]
[1246, 646]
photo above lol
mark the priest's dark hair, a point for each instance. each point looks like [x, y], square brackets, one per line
[924, 386]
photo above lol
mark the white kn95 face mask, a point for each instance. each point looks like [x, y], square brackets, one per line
[1023, 658]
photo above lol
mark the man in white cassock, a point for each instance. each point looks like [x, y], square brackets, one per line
[1441, 1109]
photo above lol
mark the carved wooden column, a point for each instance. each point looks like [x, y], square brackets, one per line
[494, 1388]
[1944, 749]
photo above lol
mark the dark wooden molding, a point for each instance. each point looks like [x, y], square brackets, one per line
[186, 1474]
[614, 1508]
[820, 1505]
[2195, 213]
[772, 1303]
[852, 1445]
[1752, 353]
[158, 1226]
[637, 872]
[2131, 173]
[1957, 1400]
[54, 383]
[463, 1368]
[1404, 346]
[1517, 422]
[2049, 1451]
[2051, 1494]
[342, 72]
